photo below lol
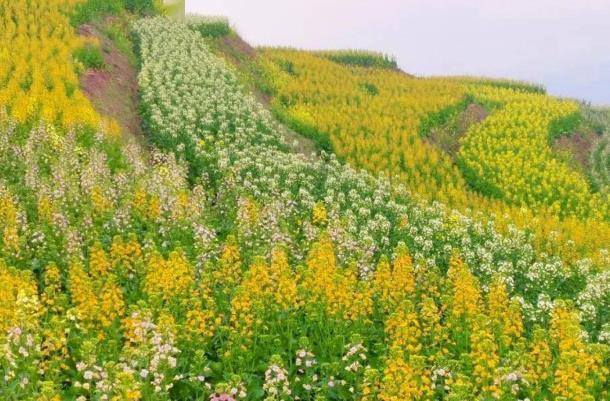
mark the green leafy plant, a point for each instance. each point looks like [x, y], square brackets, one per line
[213, 27]
[93, 10]
[90, 56]
[361, 58]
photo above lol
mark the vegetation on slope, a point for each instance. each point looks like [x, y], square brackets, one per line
[362, 58]
[210, 27]
[252, 158]
[86, 11]
[225, 267]
[598, 164]
[521, 86]
[113, 91]
[517, 178]
[508, 155]
[42, 83]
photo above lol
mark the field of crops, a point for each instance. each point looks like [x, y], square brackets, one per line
[41, 83]
[503, 167]
[213, 263]
[509, 154]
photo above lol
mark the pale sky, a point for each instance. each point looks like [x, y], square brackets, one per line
[562, 44]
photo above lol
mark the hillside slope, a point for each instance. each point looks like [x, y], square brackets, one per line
[503, 167]
[222, 264]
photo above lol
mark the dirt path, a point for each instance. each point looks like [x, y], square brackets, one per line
[243, 56]
[578, 146]
[447, 137]
[114, 89]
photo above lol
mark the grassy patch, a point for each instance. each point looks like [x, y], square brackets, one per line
[597, 119]
[143, 7]
[443, 116]
[600, 166]
[93, 10]
[369, 88]
[522, 86]
[361, 58]
[445, 127]
[90, 56]
[564, 126]
[212, 27]
[118, 32]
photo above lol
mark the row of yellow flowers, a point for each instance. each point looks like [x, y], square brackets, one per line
[509, 151]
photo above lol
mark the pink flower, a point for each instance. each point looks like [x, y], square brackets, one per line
[221, 397]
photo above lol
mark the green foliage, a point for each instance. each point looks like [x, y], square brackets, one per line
[442, 116]
[90, 56]
[86, 138]
[310, 131]
[146, 7]
[70, 88]
[475, 182]
[564, 126]
[522, 86]
[600, 165]
[361, 58]
[256, 77]
[597, 119]
[213, 27]
[93, 10]
[118, 33]
[26, 83]
[369, 88]
[287, 66]
[114, 155]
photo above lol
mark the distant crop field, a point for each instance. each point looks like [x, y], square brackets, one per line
[389, 123]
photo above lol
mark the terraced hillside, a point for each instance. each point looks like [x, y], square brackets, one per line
[216, 262]
[501, 164]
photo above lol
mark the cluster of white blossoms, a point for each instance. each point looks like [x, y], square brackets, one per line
[277, 385]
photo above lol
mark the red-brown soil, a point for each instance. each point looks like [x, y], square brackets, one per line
[578, 147]
[114, 89]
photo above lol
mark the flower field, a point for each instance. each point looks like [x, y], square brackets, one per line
[377, 119]
[218, 265]
[509, 152]
[42, 83]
